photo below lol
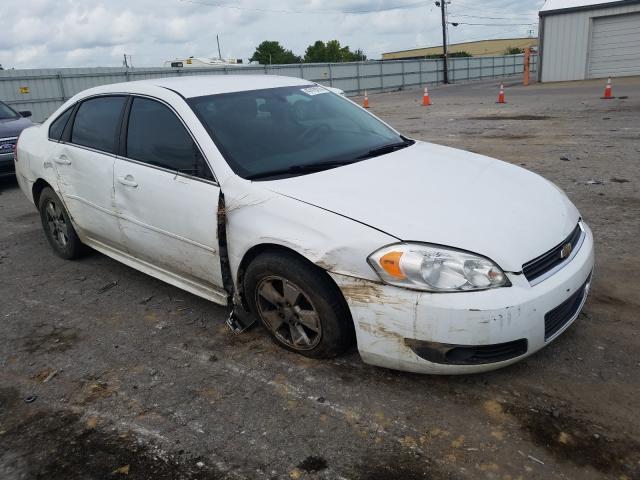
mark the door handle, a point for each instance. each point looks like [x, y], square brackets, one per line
[129, 181]
[62, 160]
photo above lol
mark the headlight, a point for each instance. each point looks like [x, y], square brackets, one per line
[436, 269]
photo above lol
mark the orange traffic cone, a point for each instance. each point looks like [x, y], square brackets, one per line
[501, 95]
[426, 101]
[366, 100]
[608, 91]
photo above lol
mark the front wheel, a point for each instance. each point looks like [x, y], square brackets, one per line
[300, 307]
[57, 226]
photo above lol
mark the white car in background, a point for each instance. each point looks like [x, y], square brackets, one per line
[297, 207]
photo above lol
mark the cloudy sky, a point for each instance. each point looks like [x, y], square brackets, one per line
[68, 33]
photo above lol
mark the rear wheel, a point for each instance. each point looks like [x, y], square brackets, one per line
[57, 226]
[297, 303]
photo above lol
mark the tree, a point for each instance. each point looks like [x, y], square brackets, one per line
[271, 52]
[514, 51]
[316, 53]
[331, 51]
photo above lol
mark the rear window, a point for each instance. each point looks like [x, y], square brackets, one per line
[58, 125]
[97, 123]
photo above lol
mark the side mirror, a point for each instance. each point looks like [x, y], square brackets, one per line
[25, 113]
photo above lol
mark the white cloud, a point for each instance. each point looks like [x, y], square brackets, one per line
[57, 33]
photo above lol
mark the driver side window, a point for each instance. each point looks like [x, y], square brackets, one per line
[157, 137]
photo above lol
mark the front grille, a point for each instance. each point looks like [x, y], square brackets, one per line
[445, 354]
[557, 318]
[7, 169]
[554, 257]
[8, 145]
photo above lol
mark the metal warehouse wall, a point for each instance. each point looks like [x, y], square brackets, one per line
[565, 41]
[43, 91]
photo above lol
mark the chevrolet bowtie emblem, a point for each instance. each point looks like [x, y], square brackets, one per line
[566, 250]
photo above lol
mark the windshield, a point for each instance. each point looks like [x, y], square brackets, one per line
[281, 132]
[7, 112]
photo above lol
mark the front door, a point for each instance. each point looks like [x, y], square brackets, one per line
[166, 196]
[84, 164]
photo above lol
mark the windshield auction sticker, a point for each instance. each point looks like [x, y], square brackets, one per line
[314, 90]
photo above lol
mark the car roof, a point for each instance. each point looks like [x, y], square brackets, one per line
[201, 85]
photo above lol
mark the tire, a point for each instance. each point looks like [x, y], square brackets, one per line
[299, 305]
[58, 227]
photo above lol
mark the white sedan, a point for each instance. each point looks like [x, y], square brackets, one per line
[295, 206]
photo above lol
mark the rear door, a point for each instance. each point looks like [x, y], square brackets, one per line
[166, 195]
[84, 160]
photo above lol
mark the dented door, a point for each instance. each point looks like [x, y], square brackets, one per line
[169, 220]
[166, 195]
[84, 168]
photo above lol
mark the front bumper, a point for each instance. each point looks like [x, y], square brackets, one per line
[392, 323]
[7, 165]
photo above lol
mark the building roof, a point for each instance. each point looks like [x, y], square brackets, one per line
[558, 5]
[478, 48]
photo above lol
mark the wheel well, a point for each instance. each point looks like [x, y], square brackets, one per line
[258, 250]
[253, 253]
[37, 189]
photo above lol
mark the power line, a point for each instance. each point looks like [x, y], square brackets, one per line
[499, 36]
[483, 13]
[305, 12]
[470, 9]
[495, 24]
[488, 18]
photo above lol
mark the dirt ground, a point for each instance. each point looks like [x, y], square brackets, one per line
[108, 373]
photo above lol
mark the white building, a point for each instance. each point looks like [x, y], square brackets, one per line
[581, 39]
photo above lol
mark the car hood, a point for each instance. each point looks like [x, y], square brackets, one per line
[435, 194]
[11, 127]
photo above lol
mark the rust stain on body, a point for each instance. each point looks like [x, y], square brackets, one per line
[362, 291]
[380, 331]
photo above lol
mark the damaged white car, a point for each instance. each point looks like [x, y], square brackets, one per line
[297, 207]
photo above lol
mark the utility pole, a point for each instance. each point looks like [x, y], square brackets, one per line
[443, 7]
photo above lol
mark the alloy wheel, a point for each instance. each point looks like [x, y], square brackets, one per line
[288, 312]
[57, 224]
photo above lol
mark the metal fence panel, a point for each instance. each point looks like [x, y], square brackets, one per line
[391, 67]
[345, 70]
[316, 72]
[43, 90]
[285, 71]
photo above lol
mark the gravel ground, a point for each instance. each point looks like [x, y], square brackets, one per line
[108, 373]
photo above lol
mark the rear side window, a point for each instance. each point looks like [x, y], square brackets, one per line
[57, 126]
[97, 123]
[156, 136]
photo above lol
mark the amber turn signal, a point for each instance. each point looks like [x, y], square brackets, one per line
[391, 264]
